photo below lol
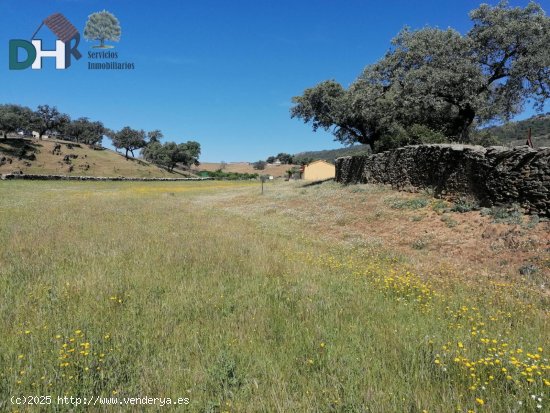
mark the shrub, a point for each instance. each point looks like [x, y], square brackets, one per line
[528, 269]
[420, 243]
[439, 206]
[451, 223]
[259, 165]
[505, 214]
[464, 205]
[484, 138]
[415, 203]
[414, 135]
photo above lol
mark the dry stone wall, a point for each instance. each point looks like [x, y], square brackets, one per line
[492, 176]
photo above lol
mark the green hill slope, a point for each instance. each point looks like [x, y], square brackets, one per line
[331, 154]
[515, 133]
[33, 156]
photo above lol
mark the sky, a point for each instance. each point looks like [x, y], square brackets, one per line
[218, 72]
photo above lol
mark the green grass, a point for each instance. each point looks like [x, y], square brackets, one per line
[167, 295]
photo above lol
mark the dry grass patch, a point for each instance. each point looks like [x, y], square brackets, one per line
[38, 157]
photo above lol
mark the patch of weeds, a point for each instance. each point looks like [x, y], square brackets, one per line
[223, 376]
[440, 206]
[464, 205]
[528, 269]
[498, 245]
[428, 191]
[532, 222]
[420, 243]
[449, 221]
[357, 189]
[505, 214]
[357, 242]
[485, 212]
[342, 220]
[414, 203]
[416, 218]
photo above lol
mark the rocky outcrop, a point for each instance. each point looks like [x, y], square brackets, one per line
[492, 176]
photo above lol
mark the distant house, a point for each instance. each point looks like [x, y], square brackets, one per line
[318, 171]
[36, 135]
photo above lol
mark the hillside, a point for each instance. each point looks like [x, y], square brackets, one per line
[515, 133]
[331, 154]
[32, 156]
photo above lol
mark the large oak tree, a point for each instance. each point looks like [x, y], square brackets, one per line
[441, 79]
[129, 139]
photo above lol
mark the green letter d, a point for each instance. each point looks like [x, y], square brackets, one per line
[17, 44]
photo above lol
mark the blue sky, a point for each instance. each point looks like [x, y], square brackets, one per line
[222, 73]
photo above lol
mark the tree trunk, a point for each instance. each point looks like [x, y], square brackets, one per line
[367, 140]
[371, 145]
[133, 156]
[102, 43]
[466, 117]
[126, 153]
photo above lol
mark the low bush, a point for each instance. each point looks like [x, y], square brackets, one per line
[464, 205]
[414, 203]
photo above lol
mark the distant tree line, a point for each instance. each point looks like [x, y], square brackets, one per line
[21, 119]
[230, 176]
[49, 120]
[437, 85]
[283, 159]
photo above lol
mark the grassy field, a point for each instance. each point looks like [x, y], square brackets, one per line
[295, 301]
